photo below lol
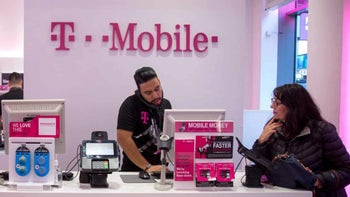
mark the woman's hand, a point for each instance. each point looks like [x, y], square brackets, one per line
[269, 129]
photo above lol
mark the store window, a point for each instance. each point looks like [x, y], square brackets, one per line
[301, 33]
[301, 49]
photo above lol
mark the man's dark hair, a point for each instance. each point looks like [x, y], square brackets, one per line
[15, 78]
[143, 75]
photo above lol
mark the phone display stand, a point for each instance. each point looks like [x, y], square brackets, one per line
[253, 172]
[253, 176]
[165, 146]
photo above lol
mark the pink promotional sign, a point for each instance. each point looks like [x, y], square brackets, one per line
[204, 126]
[214, 147]
[40, 126]
[184, 160]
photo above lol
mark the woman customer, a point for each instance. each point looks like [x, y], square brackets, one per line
[298, 128]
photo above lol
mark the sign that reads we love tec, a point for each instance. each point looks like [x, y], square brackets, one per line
[180, 40]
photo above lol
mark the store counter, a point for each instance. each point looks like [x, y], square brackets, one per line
[119, 188]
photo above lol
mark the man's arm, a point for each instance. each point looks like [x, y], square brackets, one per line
[128, 145]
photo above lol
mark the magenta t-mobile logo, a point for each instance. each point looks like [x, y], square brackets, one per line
[144, 117]
[180, 39]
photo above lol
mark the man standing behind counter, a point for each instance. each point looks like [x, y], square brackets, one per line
[140, 123]
[15, 90]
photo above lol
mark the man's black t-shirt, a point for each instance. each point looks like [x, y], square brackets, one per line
[137, 116]
[13, 93]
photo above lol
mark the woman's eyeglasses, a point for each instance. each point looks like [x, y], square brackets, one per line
[276, 102]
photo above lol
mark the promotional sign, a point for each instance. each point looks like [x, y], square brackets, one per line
[204, 126]
[39, 126]
[211, 147]
[184, 160]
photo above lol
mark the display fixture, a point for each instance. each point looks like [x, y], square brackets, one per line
[34, 134]
[172, 115]
[203, 151]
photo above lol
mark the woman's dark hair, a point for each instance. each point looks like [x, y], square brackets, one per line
[143, 75]
[301, 107]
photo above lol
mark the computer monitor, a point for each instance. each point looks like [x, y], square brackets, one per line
[172, 115]
[19, 110]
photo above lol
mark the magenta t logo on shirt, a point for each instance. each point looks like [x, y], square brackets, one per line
[144, 117]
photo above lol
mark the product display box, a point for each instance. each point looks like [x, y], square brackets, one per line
[225, 174]
[205, 174]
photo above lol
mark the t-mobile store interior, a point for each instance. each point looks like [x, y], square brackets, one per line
[218, 63]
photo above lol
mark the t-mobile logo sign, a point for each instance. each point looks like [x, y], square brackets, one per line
[131, 40]
[144, 117]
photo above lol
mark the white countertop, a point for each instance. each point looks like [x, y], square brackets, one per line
[118, 187]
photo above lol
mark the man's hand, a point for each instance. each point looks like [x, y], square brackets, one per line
[155, 168]
[129, 147]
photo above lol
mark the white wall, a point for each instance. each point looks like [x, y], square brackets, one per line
[325, 56]
[94, 81]
[11, 36]
[11, 64]
[11, 29]
[326, 44]
[268, 66]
